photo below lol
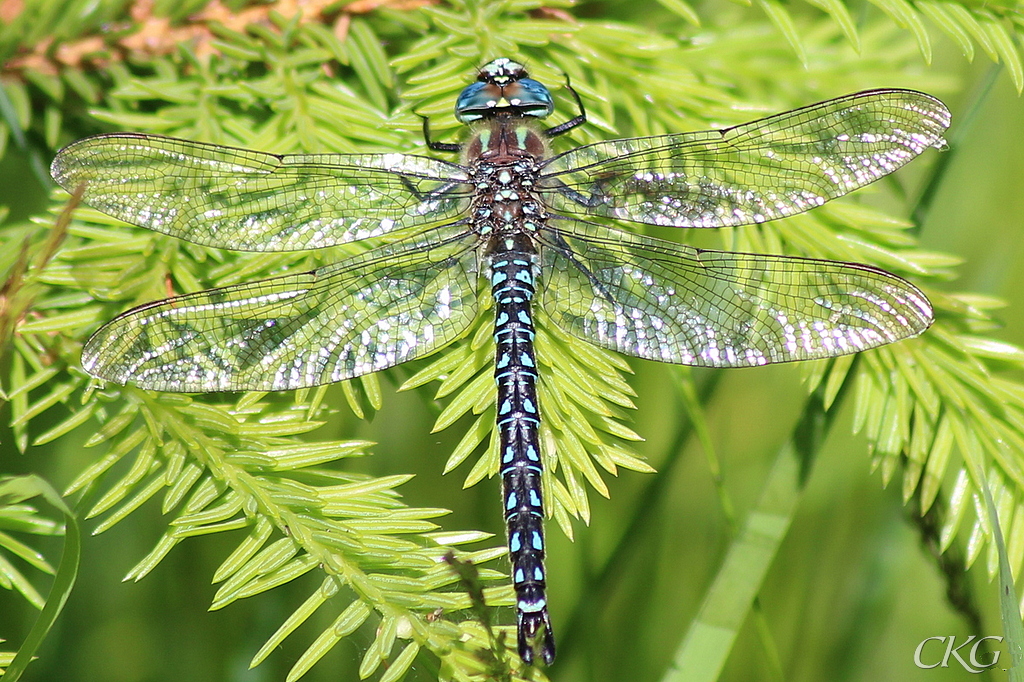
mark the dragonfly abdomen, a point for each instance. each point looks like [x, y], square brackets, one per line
[512, 283]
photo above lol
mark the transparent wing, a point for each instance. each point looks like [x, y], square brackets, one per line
[252, 201]
[366, 313]
[758, 171]
[663, 301]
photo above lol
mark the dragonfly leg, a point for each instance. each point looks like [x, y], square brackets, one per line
[593, 200]
[573, 122]
[432, 195]
[446, 147]
[558, 242]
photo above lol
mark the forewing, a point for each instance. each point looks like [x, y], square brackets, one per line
[361, 315]
[662, 301]
[253, 201]
[751, 173]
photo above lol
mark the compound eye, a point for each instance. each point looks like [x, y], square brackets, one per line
[531, 97]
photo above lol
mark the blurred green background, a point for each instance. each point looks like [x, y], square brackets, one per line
[851, 592]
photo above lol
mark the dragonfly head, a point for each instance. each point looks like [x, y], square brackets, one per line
[502, 87]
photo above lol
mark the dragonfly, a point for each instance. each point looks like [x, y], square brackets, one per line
[512, 215]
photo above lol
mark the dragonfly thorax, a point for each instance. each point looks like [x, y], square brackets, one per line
[505, 156]
[506, 140]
